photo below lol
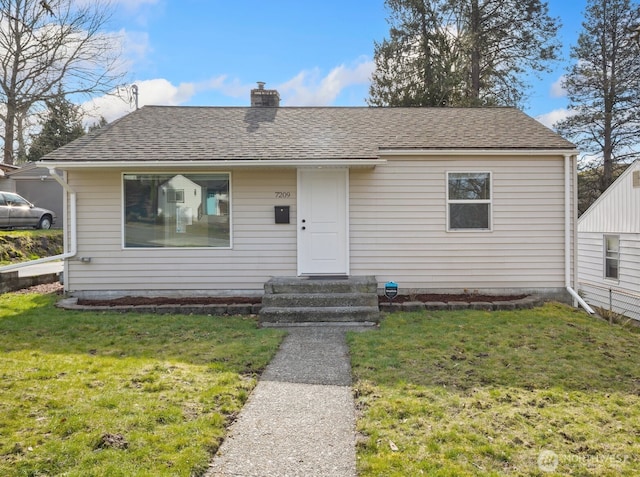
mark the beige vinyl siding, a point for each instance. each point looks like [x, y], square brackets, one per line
[625, 292]
[398, 225]
[260, 248]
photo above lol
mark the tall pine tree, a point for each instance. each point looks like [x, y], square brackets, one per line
[420, 64]
[461, 52]
[603, 87]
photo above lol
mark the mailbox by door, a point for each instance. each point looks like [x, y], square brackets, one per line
[282, 214]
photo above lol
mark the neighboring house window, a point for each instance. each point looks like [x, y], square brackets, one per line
[611, 256]
[469, 200]
[176, 210]
[175, 196]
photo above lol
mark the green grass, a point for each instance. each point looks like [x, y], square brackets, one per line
[162, 388]
[502, 393]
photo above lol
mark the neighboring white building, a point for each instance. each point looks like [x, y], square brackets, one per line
[609, 247]
[435, 199]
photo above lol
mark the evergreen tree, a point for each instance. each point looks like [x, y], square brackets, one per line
[461, 52]
[420, 64]
[62, 123]
[603, 87]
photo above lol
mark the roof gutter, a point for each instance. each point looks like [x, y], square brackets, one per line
[293, 163]
[569, 173]
[476, 152]
[73, 238]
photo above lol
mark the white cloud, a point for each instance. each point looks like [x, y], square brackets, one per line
[157, 91]
[307, 88]
[232, 88]
[549, 119]
[557, 90]
[121, 101]
[135, 45]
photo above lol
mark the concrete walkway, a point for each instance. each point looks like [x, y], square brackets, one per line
[300, 419]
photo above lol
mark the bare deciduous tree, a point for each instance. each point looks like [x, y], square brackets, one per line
[50, 46]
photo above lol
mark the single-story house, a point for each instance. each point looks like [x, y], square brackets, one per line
[609, 247]
[435, 199]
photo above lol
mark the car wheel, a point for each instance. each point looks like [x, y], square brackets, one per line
[45, 222]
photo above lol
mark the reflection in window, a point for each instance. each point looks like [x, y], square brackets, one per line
[469, 200]
[612, 256]
[181, 210]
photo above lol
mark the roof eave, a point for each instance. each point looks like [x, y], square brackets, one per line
[235, 163]
[478, 152]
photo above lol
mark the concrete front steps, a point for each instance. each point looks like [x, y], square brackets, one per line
[335, 300]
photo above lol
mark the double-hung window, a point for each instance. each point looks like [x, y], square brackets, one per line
[468, 201]
[176, 210]
[612, 257]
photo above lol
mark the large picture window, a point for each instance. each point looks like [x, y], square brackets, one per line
[611, 256]
[469, 200]
[176, 210]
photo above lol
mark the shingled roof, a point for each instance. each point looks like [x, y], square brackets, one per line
[169, 133]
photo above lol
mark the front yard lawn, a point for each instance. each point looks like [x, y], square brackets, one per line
[543, 392]
[106, 394]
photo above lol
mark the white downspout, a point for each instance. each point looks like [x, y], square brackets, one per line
[568, 173]
[71, 252]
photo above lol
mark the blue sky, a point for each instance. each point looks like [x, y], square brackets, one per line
[212, 52]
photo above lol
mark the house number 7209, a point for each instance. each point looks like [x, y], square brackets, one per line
[283, 195]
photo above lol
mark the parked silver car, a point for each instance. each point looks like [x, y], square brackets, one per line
[16, 211]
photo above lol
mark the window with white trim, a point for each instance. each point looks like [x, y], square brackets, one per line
[611, 257]
[176, 210]
[468, 201]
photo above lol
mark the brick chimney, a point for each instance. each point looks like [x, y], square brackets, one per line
[264, 98]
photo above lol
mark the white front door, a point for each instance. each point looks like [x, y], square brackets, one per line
[322, 222]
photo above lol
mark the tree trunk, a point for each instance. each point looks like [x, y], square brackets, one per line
[475, 51]
[21, 157]
[427, 70]
[607, 150]
[12, 81]
[608, 90]
[9, 131]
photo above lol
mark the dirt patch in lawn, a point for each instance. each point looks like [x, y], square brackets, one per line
[161, 300]
[219, 300]
[446, 298]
